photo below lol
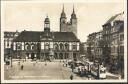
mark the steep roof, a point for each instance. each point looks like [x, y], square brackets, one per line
[34, 36]
[28, 36]
[65, 36]
[115, 17]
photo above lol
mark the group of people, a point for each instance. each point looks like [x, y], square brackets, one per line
[82, 71]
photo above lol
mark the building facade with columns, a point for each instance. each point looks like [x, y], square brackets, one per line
[46, 44]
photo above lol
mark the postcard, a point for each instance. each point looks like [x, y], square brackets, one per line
[63, 41]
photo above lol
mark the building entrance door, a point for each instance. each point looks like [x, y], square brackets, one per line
[47, 56]
[74, 57]
[32, 56]
[61, 56]
[55, 56]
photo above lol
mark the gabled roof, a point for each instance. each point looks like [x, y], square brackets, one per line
[8, 34]
[115, 17]
[30, 36]
[34, 36]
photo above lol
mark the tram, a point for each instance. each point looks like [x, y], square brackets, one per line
[98, 71]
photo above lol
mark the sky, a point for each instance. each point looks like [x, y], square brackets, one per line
[30, 16]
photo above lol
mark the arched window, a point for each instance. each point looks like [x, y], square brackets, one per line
[27, 47]
[47, 46]
[32, 47]
[66, 46]
[56, 47]
[38, 46]
[61, 46]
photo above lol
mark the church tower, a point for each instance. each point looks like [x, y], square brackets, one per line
[70, 26]
[63, 21]
[73, 21]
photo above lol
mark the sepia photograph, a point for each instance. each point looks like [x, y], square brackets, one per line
[63, 41]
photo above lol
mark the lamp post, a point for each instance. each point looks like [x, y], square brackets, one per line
[11, 61]
[45, 60]
[11, 54]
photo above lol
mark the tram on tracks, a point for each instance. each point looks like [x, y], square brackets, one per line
[98, 71]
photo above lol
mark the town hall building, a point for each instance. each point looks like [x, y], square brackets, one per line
[47, 44]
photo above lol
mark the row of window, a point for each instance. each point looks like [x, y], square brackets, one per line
[119, 49]
[98, 50]
[47, 47]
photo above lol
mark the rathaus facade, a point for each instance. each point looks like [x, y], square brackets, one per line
[47, 44]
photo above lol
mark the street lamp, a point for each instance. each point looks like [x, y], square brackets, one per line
[11, 54]
[45, 60]
[11, 61]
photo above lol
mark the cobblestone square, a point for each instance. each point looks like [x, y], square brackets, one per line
[39, 71]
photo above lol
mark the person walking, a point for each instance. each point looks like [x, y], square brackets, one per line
[71, 77]
[79, 71]
[85, 71]
[22, 67]
[66, 64]
[72, 67]
[45, 63]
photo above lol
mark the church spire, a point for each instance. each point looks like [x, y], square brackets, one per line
[63, 15]
[63, 8]
[73, 15]
[73, 9]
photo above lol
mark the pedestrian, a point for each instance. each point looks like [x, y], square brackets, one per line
[71, 77]
[45, 63]
[79, 71]
[22, 67]
[84, 71]
[7, 67]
